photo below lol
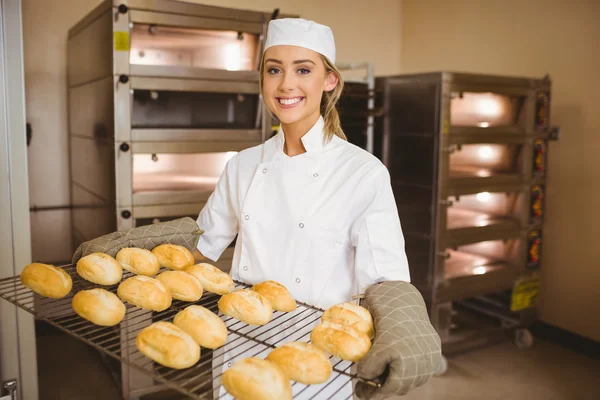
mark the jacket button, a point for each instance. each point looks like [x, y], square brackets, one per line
[264, 170]
[247, 217]
[297, 280]
[245, 268]
[301, 225]
[315, 175]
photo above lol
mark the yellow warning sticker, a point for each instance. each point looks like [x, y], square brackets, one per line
[445, 127]
[525, 293]
[122, 41]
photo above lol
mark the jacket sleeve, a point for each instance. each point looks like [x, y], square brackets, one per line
[219, 219]
[377, 234]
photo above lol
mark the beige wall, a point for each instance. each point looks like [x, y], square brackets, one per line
[45, 26]
[533, 38]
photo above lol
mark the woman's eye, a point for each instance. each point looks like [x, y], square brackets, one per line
[303, 71]
[273, 71]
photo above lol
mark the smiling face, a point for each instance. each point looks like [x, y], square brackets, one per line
[293, 81]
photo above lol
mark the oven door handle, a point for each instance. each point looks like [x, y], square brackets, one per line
[9, 388]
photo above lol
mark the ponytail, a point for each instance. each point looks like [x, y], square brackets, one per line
[328, 105]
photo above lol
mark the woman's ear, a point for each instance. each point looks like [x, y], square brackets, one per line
[331, 81]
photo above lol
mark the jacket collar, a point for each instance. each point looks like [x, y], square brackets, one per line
[312, 140]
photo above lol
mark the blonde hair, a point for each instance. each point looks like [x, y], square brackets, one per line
[329, 101]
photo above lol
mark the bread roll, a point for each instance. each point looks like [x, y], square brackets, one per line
[342, 341]
[47, 280]
[139, 261]
[99, 306]
[212, 279]
[145, 292]
[351, 314]
[302, 362]
[277, 294]
[100, 268]
[247, 306]
[204, 326]
[256, 379]
[173, 257]
[181, 285]
[168, 345]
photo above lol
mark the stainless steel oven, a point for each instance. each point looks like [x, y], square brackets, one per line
[467, 158]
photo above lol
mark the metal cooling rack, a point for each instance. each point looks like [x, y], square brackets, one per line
[199, 381]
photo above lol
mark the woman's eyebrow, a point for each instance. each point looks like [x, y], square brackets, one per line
[304, 61]
[295, 62]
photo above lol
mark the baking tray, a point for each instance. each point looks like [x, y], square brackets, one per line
[118, 342]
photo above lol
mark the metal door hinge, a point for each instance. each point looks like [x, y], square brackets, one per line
[9, 390]
[452, 148]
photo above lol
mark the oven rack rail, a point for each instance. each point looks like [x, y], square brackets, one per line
[196, 382]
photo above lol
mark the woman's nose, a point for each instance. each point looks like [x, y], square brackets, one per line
[287, 82]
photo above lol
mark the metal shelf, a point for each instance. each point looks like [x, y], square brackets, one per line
[467, 180]
[147, 184]
[462, 218]
[196, 135]
[467, 226]
[195, 382]
[176, 71]
[190, 147]
[467, 275]
[169, 195]
[487, 136]
[193, 85]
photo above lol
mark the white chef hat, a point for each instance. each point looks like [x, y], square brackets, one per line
[302, 33]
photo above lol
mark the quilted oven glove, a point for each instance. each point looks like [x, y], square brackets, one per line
[183, 231]
[406, 351]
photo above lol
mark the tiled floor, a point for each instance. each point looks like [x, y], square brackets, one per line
[68, 370]
[544, 372]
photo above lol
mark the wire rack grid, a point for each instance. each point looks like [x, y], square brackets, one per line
[201, 381]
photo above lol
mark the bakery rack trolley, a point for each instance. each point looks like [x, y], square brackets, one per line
[467, 158]
[195, 382]
[161, 95]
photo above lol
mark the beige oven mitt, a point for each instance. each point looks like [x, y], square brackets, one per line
[406, 350]
[183, 231]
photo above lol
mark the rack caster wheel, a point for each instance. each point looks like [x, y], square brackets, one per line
[523, 338]
[442, 368]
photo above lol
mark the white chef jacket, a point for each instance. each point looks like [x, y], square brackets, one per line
[323, 223]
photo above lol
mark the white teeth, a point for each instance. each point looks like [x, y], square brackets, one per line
[290, 101]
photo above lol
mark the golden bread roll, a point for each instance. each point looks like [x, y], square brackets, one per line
[277, 294]
[256, 379]
[99, 306]
[204, 326]
[139, 261]
[168, 345]
[247, 306]
[342, 341]
[173, 256]
[100, 268]
[145, 292]
[351, 314]
[302, 362]
[212, 279]
[182, 286]
[47, 280]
